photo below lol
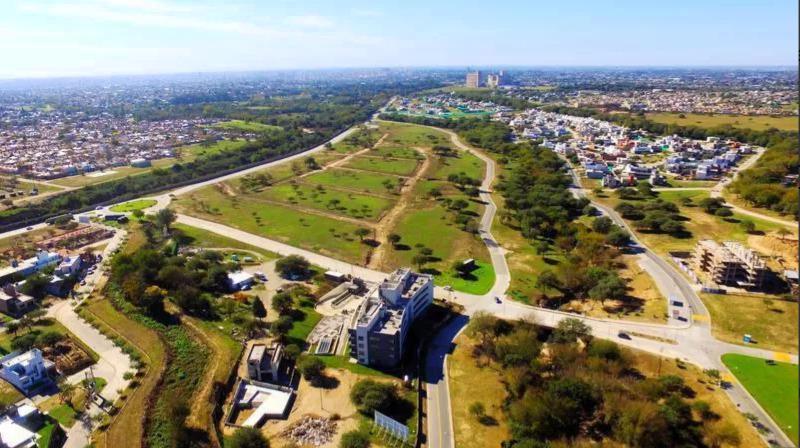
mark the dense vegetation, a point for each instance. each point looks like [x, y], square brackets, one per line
[574, 394]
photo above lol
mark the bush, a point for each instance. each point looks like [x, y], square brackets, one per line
[293, 266]
[354, 439]
[607, 350]
[311, 367]
[370, 396]
[247, 438]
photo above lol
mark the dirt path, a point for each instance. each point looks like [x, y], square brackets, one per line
[387, 224]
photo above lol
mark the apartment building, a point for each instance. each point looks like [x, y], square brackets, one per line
[474, 79]
[730, 263]
[380, 326]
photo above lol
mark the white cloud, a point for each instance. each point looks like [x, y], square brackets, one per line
[310, 21]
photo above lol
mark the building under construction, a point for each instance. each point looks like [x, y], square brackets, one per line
[730, 263]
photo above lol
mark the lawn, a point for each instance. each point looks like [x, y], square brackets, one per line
[193, 236]
[320, 234]
[465, 163]
[773, 386]
[479, 281]
[343, 362]
[64, 414]
[470, 383]
[397, 152]
[773, 325]
[755, 122]
[130, 206]
[306, 319]
[400, 167]
[246, 126]
[8, 394]
[355, 180]
[409, 135]
[328, 199]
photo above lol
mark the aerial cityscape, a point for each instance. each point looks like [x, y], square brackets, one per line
[240, 225]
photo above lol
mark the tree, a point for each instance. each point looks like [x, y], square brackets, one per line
[281, 327]
[723, 212]
[782, 233]
[618, 237]
[292, 352]
[369, 396]
[570, 330]
[312, 368]
[477, 409]
[138, 214]
[282, 303]
[419, 260]
[602, 224]
[361, 232]
[247, 438]
[394, 239]
[610, 286]
[548, 280]
[354, 439]
[164, 219]
[747, 225]
[292, 266]
[259, 311]
[65, 391]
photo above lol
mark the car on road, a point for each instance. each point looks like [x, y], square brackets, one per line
[83, 282]
[624, 335]
[448, 288]
[497, 300]
[29, 228]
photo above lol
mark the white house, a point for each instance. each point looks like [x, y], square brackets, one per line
[25, 371]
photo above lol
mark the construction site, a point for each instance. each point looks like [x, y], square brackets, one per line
[730, 264]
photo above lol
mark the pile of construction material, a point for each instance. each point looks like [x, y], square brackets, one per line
[311, 431]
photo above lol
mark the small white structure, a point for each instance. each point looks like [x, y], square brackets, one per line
[268, 401]
[239, 280]
[24, 371]
[69, 265]
[264, 362]
[140, 163]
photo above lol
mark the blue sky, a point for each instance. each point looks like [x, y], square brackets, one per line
[101, 37]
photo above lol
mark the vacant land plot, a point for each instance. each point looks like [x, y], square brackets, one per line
[774, 386]
[400, 167]
[463, 162]
[328, 199]
[470, 383]
[98, 177]
[321, 234]
[398, 152]
[772, 323]
[247, 126]
[130, 206]
[356, 180]
[756, 122]
[8, 394]
[410, 135]
[191, 152]
[195, 237]
[26, 186]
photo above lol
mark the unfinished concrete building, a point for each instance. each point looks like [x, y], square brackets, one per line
[730, 263]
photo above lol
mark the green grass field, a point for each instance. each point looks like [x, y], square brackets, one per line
[772, 325]
[344, 203]
[64, 414]
[775, 387]
[246, 126]
[354, 180]
[397, 152]
[27, 186]
[201, 238]
[138, 204]
[756, 122]
[465, 163]
[321, 234]
[343, 362]
[400, 167]
[98, 177]
[479, 281]
[9, 394]
[410, 135]
[198, 150]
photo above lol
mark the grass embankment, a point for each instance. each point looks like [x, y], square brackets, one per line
[130, 206]
[775, 387]
[192, 236]
[755, 122]
[126, 428]
[772, 323]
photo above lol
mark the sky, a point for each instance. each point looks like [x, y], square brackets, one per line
[50, 38]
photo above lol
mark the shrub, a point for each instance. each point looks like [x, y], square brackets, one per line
[370, 396]
[354, 439]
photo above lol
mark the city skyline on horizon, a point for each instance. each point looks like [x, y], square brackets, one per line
[76, 38]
